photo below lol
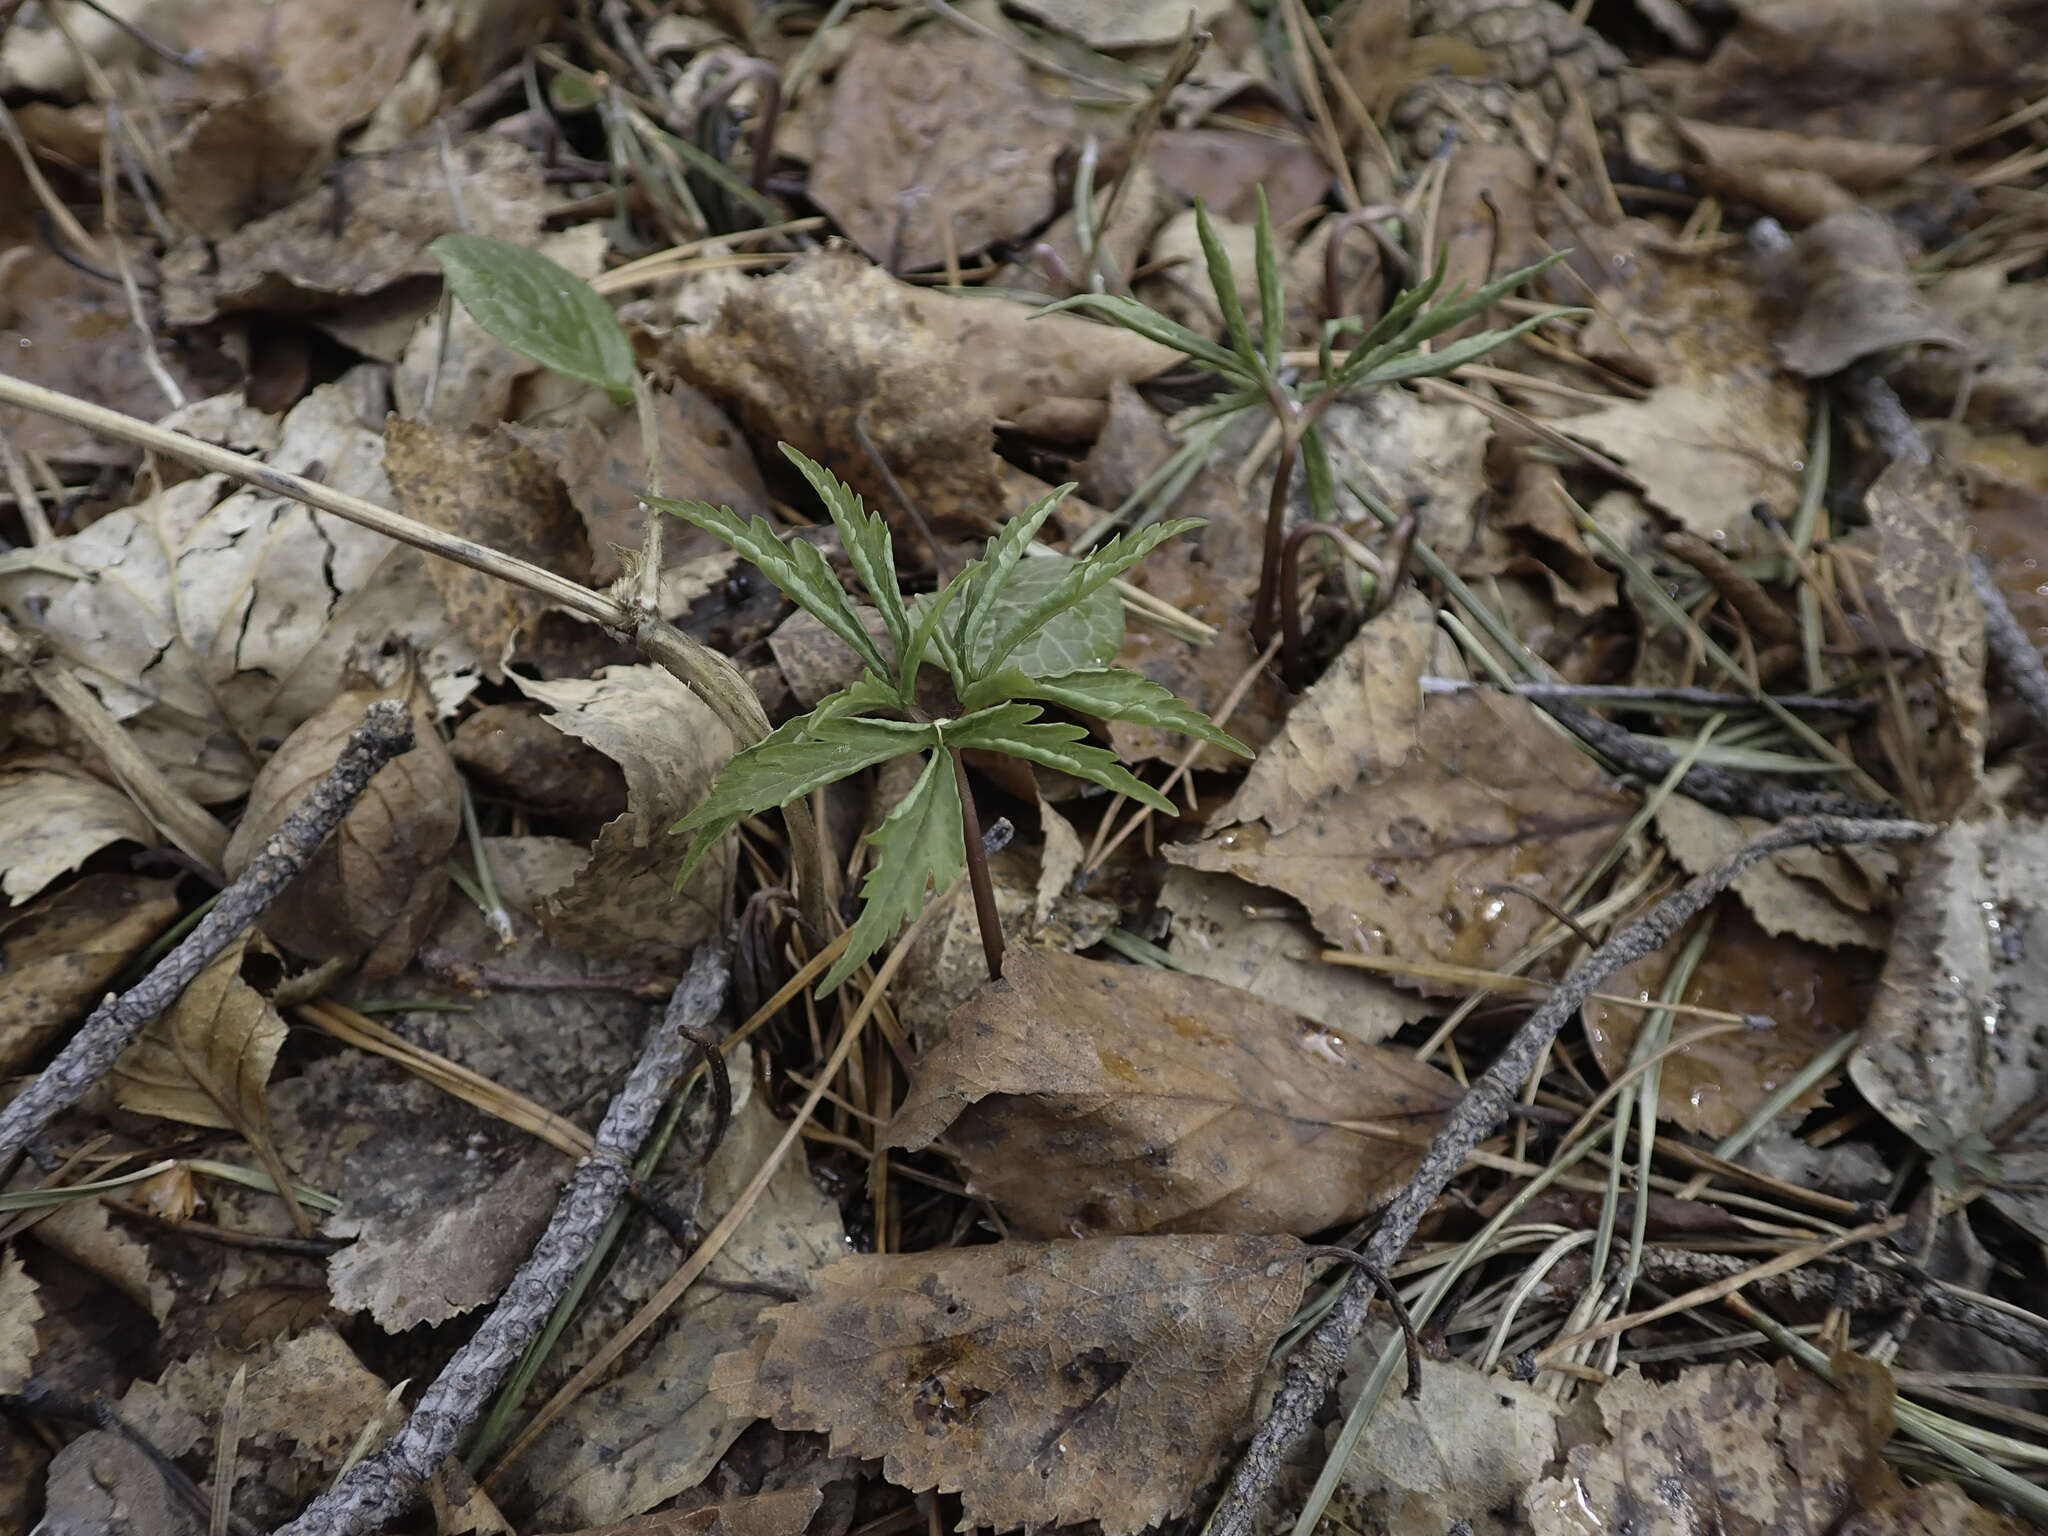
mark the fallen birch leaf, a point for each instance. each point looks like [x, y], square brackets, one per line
[207, 1060]
[1046, 1383]
[58, 956]
[1088, 1098]
[53, 817]
[1800, 895]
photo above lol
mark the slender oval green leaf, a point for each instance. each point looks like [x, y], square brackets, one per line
[1153, 326]
[1223, 282]
[1109, 693]
[539, 307]
[1272, 302]
[921, 845]
[865, 537]
[1429, 365]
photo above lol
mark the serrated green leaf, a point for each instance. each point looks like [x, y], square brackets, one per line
[1223, 280]
[1085, 576]
[1272, 303]
[1109, 693]
[988, 576]
[796, 568]
[788, 763]
[1153, 326]
[1015, 730]
[920, 845]
[864, 535]
[539, 307]
[1084, 633]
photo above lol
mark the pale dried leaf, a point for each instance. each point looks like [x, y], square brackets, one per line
[1057, 861]
[207, 1061]
[20, 1310]
[1781, 894]
[55, 817]
[57, 957]
[1089, 1098]
[1045, 1382]
[84, 1232]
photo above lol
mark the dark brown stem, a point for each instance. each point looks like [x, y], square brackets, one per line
[1291, 638]
[715, 99]
[1265, 610]
[978, 880]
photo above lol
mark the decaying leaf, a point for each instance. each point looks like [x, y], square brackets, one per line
[498, 493]
[57, 956]
[1954, 1038]
[2005, 365]
[214, 621]
[1425, 456]
[20, 1311]
[1410, 864]
[937, 144]
[623, 902]
[53, 817]
[1091, 1098]
[207, 1061]
[780, 1512]
[1135, 24]
[1821, 896]
[1855, 296]
[374, 888]
[511, 753]
[84, 1232]
[1045, 1382]
[1812, 996]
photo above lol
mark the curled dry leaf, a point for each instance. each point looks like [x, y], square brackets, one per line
[207, 1060]
[937, 144]
[1090, 1098]
[374, 888]
[215, 621]
[623, 901]
[1953, 1046]
[1045, 1382]
[58, 956]
[1796, 176]
[1854, 296]
[1410, 863]
[1812, 996]
[53, 817]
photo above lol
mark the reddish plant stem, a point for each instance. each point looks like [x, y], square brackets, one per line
[985, 914]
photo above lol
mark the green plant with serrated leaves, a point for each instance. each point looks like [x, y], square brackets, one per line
[1012, 636]
[1388, 351]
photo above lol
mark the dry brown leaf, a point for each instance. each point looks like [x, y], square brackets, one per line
[20, 1310]
[1134, 24]
[53, 817]
[243, 159]
[1045, 1382]
[623, 901]
[362, 236]
[217, 621]
[374, 888]
[1426, 456]
[1403, 864]
[207, 1061]
[1226, 169]
[104, 1481]
[780, 1512]
[83, 1231]
[1813, 996]
[1762, 1449]
[1371, 48]
[500, 494]
[1797, 176]
[1361, 717]
[1954, 1038]
[2004, 374]
[935, 143]
[57, 957]
[1854, 295]
[1487, 225]
[1534, 535]
[511, 753]
[1784, 895]
[1087, 1098]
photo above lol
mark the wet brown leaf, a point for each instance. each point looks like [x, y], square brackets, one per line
[374, 888]
[1813, 996]
[1400, 864]
[53, 817]
[623, 901]
[207, 1061]
[57, 957]
[499, 493]
[934, 143]
[1854, 296]
[1089, 1098]
[1045, 1382]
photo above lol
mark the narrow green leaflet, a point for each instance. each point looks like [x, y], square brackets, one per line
[920, 844]
[1108, 693]
[992, 571]
[1053, 743]
[540, 308]
[1087, 575]
[1272, 303]
[1224, 281]
[937, 640]
[1153, 326]
[1088, 634]
[1468, 349]
[788, 763]
[865, 537]
[926, 613]
[799, 572]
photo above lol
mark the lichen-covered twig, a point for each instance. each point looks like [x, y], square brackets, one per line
[379, 1488]
[386, 732]
[1315, 1366]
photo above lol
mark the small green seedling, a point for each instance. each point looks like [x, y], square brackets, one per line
[539, 307]
[1389, 351]
[1012, 635]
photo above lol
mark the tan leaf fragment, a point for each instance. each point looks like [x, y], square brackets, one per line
[499, 493]
[1783, 895]
[1045, 1382]
[374, 888]
[53, 817]
[1090, 1098]
[623, 902]
[207, 1061]
[1855, 296]
[20, 1310]
[57, 957]
[1404, 864]
[83, 1231]
[779, 1512]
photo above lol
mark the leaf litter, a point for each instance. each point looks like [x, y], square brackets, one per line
[1030, 1246]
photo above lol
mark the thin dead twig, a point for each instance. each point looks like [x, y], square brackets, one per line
[1314, 1369]
[386, 732]
[2009, 645]
[381, 1487]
